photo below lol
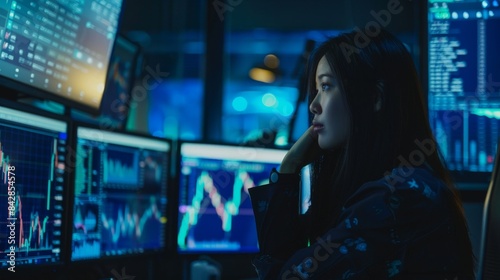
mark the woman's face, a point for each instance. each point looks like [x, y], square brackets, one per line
[331, 114]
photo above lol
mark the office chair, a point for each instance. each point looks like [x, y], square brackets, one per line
[489, 259]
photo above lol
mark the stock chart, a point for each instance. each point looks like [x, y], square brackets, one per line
[32, 163]
[120, 195]
[464, 81]
[215, 211]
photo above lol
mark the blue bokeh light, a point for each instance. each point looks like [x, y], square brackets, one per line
[269, 100]
[240, 104]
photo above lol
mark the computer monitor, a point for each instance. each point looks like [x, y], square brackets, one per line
[32, 179]
[464, 83]
[117, 98]
[58, 50]
[120, 194]
[215, 211]
[121, 76]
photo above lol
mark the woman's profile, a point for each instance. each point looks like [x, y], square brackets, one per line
[382, 205]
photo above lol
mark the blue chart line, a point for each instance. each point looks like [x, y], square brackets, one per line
[126, 227]
[87, 249]
[120, 168]
[152, 169]
[34, 157]
[225, 209]
[37, 238]
[86, 219]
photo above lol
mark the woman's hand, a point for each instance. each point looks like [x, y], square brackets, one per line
[303, 152]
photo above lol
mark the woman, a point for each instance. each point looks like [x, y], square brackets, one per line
[382, 204]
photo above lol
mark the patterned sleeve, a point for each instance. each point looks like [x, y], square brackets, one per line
[276, 210]
[375, 225]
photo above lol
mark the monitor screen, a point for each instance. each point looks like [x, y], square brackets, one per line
[120, 194]
[464, 82]
[61, 48]
[121, 76]
[305, 189]
[32, 164]
[215, 211]
[117, 99]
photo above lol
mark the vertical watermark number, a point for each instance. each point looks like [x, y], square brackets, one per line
[11, 219]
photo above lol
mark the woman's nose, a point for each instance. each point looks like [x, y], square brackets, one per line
[314, 107]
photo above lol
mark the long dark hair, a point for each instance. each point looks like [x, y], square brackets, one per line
[379, 69]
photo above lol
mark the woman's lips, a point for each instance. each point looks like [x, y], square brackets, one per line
[317, 127]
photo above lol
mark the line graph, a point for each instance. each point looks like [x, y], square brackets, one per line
[132, 224]
[212, 198]
[120, 167]
[35, 154]
[85, 248]
[37, 237]
[53, 159]
[35, 158]
[120, 200]
[85, 218]
[152, 166]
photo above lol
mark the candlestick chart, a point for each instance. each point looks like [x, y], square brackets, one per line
[31, 185]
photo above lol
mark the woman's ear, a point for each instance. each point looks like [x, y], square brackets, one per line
[379, 96]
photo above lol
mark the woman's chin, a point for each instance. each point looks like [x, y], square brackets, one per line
[329, 144]
[325, 145]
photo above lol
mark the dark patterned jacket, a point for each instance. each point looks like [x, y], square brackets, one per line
[388, 229]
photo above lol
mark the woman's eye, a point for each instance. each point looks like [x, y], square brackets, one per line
[325, 87]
